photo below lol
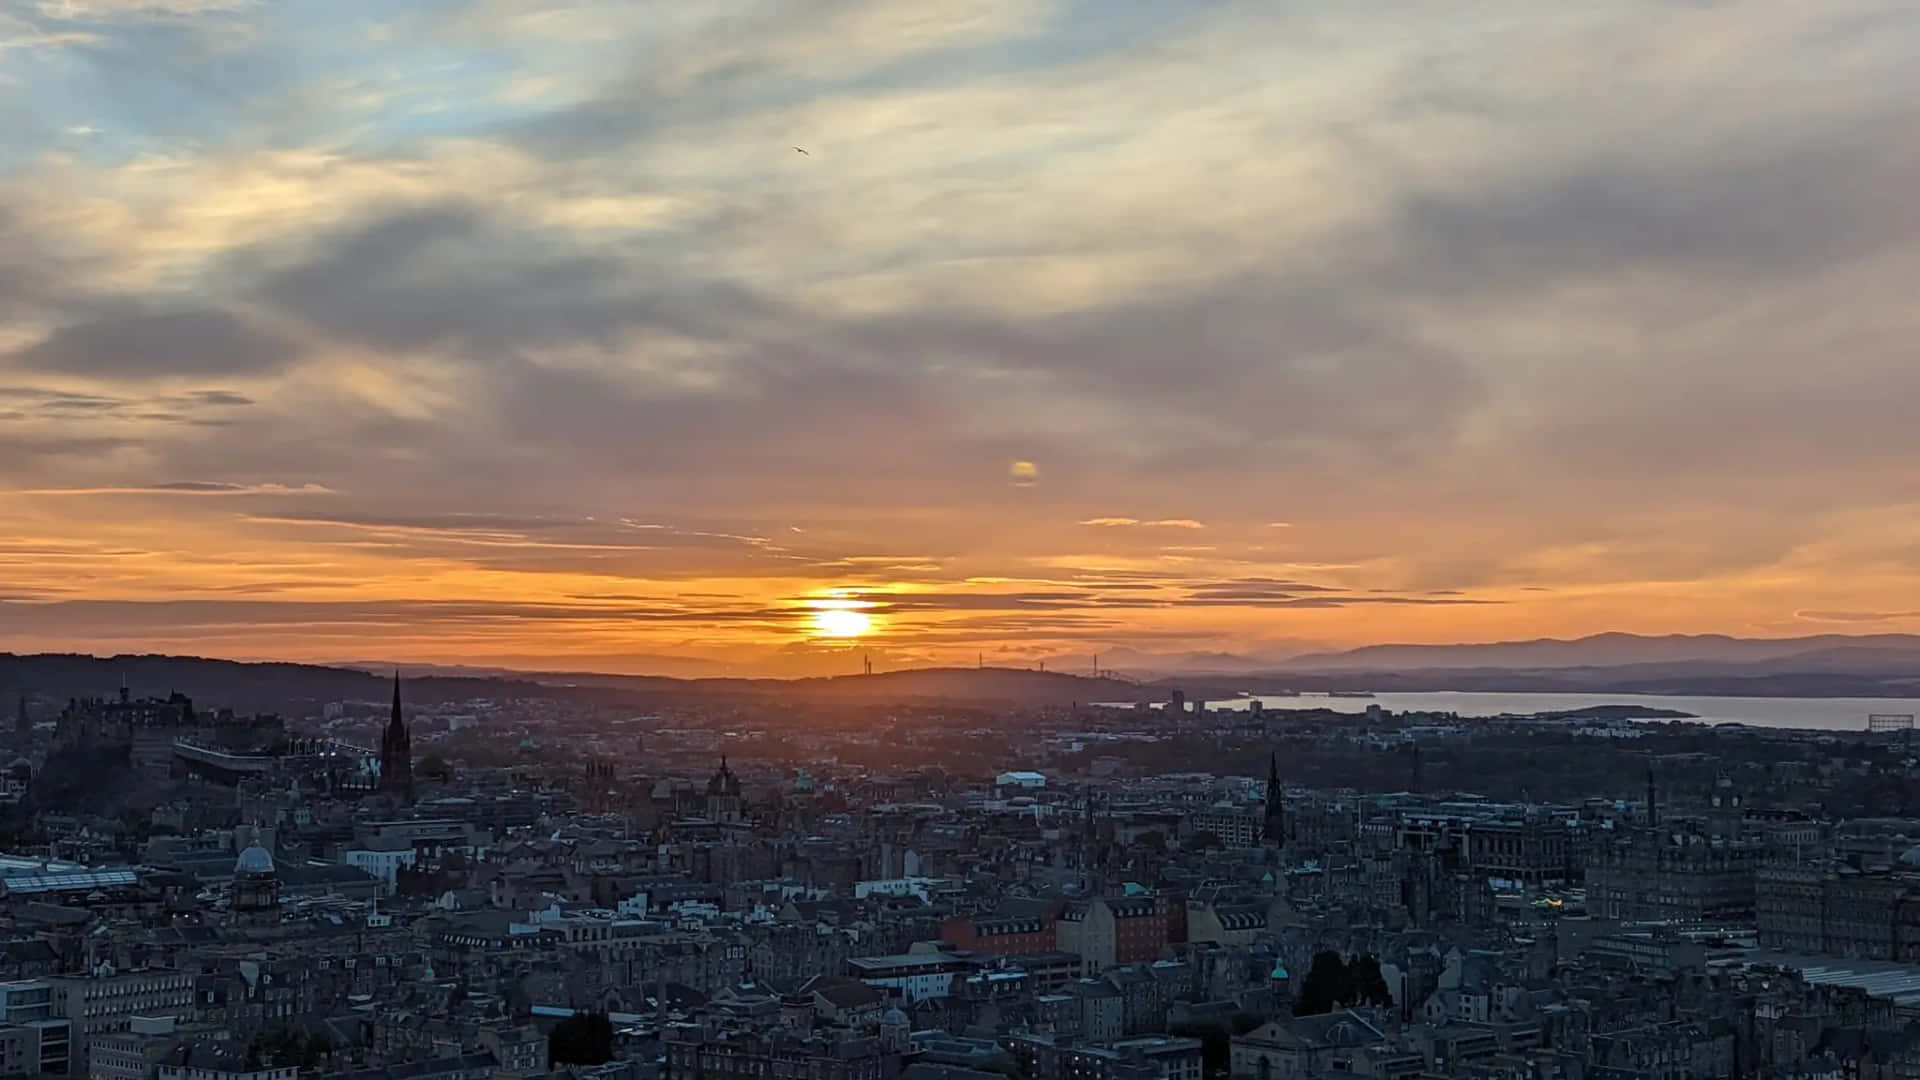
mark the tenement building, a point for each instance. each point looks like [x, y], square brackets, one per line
[1649, 876]
[1837, 911]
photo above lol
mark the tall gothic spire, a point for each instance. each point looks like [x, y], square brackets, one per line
[396, 751]
[1275, 831]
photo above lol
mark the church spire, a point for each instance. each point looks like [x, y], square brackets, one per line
[1275, 831]
[396, 751]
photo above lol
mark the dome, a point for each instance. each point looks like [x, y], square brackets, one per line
[893, 1017]
[254, 860]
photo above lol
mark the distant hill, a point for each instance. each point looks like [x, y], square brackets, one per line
[1825, 665]
[1136, 664]
[1613, 650]
[251, 687]
[969, 684]
[243, 687]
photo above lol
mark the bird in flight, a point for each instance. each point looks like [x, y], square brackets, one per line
[797, 150]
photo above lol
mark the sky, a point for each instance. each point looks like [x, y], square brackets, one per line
[761, 336]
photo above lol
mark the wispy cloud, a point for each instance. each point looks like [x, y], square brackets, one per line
[113, 9]
[1127, 522]
[188, 487]
[1856, 616]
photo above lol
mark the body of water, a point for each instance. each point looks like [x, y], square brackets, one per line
[1831, 714]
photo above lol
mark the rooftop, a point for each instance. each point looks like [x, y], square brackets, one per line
[1878, 978]
[905, 960]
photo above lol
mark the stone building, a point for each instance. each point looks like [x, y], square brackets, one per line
[1841, 912]
[1650, 876]
[256, 885]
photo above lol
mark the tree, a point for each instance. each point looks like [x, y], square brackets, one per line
[1365, 984]
[1203, 840]
[1324, 987]
[1154, 840]
[581, 1039]
[1216, 1046]
[1334, 983]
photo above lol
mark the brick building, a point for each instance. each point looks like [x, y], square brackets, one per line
[1115, 930]
[1000, 935]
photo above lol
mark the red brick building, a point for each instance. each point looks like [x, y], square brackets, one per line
[1116, 930]
[1000, 935]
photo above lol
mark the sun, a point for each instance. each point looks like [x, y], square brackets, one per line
[839, 622]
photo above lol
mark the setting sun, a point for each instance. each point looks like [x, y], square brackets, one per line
[841, 623]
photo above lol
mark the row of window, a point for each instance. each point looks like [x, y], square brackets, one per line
[144, 986]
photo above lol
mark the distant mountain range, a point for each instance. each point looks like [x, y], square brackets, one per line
[1825, 665]
[1828, 665]
[1619, 650]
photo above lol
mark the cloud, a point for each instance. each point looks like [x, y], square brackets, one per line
[101, 10]
[1529, 358]
[157, 346]
[1856, 616]
[896, 602]
[189, 487]
[1163, 523]
[21, 40]
[1332, 602]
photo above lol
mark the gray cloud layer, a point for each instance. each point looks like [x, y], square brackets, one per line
[1489, 300]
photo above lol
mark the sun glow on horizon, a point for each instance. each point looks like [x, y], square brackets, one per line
[842, 623]
[836, 617]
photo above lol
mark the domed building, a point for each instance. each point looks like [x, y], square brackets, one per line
[896, 1030]
[256, 881]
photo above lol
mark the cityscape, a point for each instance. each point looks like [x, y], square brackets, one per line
[548, 880]
[959, 540]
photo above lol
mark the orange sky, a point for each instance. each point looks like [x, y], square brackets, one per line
[520, 334]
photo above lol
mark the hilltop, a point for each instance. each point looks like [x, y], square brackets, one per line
[286, 686]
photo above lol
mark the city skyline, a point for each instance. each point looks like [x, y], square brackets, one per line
[495, 332]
